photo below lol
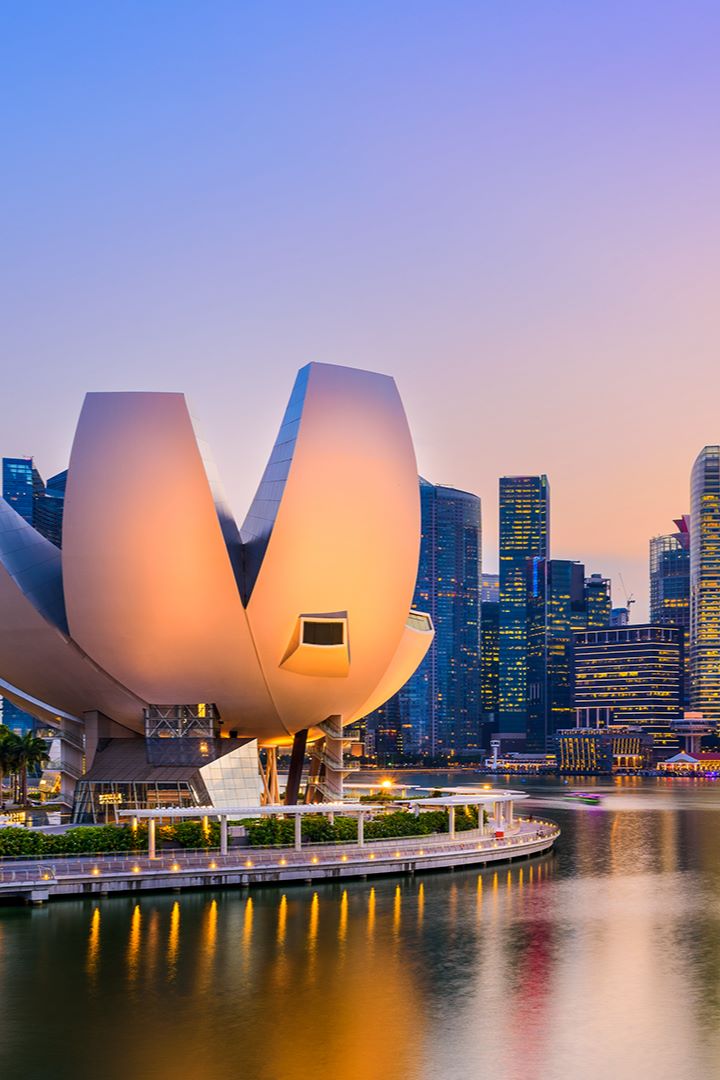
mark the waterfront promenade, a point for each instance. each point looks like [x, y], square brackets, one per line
[39, 880]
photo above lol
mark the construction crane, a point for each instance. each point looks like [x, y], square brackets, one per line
[629, 597]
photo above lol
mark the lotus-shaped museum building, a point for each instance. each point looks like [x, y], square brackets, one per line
[166, 643]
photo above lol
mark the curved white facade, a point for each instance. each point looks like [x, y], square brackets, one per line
[157, 597]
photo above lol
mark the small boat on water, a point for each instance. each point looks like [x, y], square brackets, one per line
[586, 797]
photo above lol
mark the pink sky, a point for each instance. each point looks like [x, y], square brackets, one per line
[514, 211]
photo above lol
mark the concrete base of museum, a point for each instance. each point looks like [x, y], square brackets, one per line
[246, 867]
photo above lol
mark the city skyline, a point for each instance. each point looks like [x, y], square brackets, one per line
[499, 209]
[623, 587]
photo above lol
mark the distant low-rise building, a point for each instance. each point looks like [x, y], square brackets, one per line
[704, 763]
[603, 750]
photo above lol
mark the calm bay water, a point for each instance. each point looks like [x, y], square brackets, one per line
[601, 960]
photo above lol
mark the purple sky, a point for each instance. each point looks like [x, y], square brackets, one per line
[512, 208]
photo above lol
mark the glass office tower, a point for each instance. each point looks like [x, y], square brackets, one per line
[437, 712]
[42, 507]
[670, 587]
[598, 600]
[48, 509]
[524, 535]
[40, 504]
[455, 609]
[19, 485]
[489, 660]
[556, 608]
[705, 584]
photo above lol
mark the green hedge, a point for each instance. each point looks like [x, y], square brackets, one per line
[267, 832]
[271, 832]
[92, 840]
[96, 839]
[191, 834]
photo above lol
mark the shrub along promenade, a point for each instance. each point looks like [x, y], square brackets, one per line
[185, 848]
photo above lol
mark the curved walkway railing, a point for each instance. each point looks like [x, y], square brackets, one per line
[18, 870]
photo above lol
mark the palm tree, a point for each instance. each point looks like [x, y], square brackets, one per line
[5, 759]
[29, 752]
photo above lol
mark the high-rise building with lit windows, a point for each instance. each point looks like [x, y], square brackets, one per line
[20, 481]
[41, 506]
[524, 535]
[556, 608]
[705, 584]
[438, 711]
[630, 675]
[598, 602]
[670, 587]
[489, 660]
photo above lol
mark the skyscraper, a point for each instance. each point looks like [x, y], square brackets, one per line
[41, 506]
[48, 509]
[705, 584]
[670, 586]
[598, 600]
[438, 711]
[524, 535]
[556, 608]
[20, 482]
[489, 660]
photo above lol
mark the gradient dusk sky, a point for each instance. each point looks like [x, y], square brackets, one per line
[512, 207]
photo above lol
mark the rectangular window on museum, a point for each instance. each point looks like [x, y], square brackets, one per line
[323, 633]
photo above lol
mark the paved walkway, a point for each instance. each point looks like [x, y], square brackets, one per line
[41, 878]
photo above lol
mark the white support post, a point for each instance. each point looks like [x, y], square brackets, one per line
[361, 829]
[451, 822]
[223, 834]
[151, 838]
[481, 818]
[497, 814]
[331, 818]
[298, 831]
[510, 814]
